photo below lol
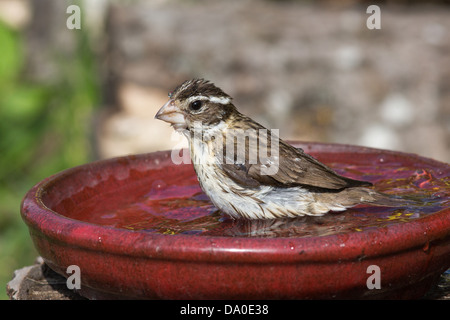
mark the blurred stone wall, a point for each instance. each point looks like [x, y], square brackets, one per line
[309, 68]
[315, 71]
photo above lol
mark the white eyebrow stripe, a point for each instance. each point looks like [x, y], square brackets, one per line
[221, 100]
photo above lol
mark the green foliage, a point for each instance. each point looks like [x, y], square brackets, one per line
[43, 129]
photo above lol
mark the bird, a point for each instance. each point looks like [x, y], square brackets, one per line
[246, 170]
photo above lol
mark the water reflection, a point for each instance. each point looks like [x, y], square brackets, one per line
[286, 227]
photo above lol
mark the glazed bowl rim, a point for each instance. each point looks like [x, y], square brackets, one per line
[358, 245]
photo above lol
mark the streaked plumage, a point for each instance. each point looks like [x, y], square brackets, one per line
[301, 185]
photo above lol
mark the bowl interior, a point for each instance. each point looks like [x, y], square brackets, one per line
[149, 193]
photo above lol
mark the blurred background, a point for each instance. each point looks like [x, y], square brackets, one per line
[309, 68]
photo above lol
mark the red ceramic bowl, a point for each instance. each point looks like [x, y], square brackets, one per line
[140, 227]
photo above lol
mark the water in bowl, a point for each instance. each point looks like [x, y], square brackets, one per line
[182, 208]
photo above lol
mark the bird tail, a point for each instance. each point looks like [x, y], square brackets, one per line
[351, 197]
[370, 196]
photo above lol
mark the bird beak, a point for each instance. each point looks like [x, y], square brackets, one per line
[171, 114]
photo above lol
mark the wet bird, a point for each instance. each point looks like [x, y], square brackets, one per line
[246, 170]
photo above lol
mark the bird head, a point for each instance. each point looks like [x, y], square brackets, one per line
[195, 102]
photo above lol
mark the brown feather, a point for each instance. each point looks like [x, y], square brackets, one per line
[295, 168]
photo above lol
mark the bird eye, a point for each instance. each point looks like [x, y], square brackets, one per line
[196, 105]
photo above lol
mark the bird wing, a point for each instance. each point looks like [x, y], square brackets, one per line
[295, 168]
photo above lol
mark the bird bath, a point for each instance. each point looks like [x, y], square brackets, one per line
[140, 227]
